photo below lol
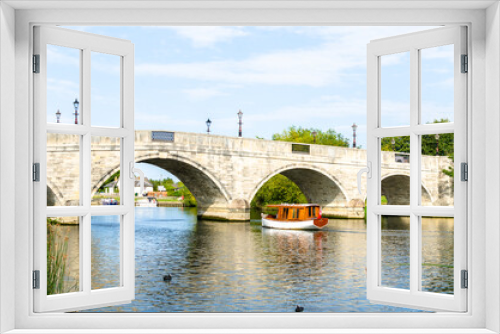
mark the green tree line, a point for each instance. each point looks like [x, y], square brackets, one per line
[442, 145]
[280, 189]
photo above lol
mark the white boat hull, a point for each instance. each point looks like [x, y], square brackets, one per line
[146, 204]
[289, 225]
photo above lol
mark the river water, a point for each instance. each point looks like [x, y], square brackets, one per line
[242, 267]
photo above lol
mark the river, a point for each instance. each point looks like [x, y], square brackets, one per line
[241, 267]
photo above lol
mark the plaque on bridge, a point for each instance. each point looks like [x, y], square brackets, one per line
[163, 136]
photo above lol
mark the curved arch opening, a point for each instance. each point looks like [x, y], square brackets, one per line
[51, 197]
[202, 186]
[303, 185]
[396, 190]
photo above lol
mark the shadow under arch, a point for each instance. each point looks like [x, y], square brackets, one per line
[316, 184]
[396, 189]
[53, 198]
[204, 186]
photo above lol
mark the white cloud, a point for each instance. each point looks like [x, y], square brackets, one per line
[202, 37]
[342, 49]
[57, 55]
[310, 67]
[203, 93]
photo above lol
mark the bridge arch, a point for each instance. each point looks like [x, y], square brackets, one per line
[169, 164]
[396, 189]
[54, 196]
[198, 179]
[316, 184]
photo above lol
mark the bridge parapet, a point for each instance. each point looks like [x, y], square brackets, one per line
[224, 173]
[187, 141]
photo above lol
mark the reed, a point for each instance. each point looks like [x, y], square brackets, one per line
[57, 259]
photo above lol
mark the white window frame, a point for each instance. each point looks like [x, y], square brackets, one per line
[86, 44]
[413, 44]
[484, 83]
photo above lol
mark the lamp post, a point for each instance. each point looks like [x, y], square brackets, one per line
[209, 122]
[314, 134]
[76, 104]
[393, 142]
[240, 116]
[437, 144]
[354, 127]
[58, 116]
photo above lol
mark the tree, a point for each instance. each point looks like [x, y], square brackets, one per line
[429, 143]
[301, 135]
[278, 189]
[163, 182]
[189, 199]
[112, 178]
[441, 146]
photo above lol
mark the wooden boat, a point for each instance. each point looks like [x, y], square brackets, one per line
[295, 217]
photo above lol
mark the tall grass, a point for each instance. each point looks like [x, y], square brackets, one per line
[57, 259]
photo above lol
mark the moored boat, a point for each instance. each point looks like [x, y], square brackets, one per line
[149, 202]
[295, 217]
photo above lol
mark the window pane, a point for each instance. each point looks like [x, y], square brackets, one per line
[63, 169]
[105, 90]
[437, 84]
[395, 170]
[437, 171]
[437, 254]
[105, 170]
[105, 252]
[395, 89]
[395, 252]
[63, 255]
[63, 84]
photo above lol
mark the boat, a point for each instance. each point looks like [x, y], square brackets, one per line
[109, 201]
[149, 202]
[295, 217]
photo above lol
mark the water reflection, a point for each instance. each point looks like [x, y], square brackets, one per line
[240, 267]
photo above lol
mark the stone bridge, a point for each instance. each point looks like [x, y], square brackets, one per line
[225, 173]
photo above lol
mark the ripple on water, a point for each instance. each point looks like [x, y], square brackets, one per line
[223, 267]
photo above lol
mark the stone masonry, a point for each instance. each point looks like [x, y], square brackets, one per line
[224, 173]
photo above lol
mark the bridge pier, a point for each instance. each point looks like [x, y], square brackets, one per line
[236, 210]
[355, 209]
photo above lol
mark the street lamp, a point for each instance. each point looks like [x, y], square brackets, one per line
[209, 122]
[354, 127]
[240, 116]
[393, 142]
[437, 144]
[76, 104]
[58, 116]
[314, 134]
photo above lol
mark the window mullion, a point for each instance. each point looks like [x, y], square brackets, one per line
[86, 160]
[414, 169]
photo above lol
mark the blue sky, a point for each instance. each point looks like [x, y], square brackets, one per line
[277, 76]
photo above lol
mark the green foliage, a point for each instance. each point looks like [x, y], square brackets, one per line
[450, 171]
[429, 143]
[182, 190]
[57, 259]
[113, 177]
[442, 146]
[401, 144]
[301, 135]
[278, 189]
[167, 183]
[189, 199]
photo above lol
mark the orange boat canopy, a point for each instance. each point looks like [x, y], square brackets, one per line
[293, 212]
